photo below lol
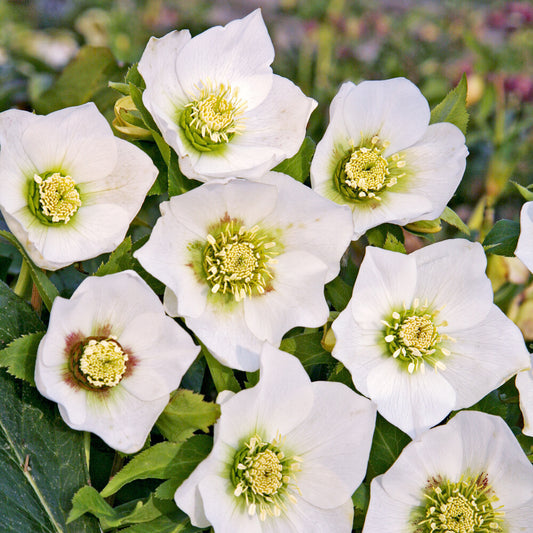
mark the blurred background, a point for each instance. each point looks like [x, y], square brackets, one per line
[319, 44]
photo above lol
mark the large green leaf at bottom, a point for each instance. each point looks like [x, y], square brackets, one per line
[42, 463]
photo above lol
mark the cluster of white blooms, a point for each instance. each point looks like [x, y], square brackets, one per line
[244, 258]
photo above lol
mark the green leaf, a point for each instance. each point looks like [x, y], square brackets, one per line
[307, 348]
[186, 413]
[387, 444]
[502, 238]
[83, 80]
[453, 107]
[19, 356]
[387, 236]
[298, 165]
[223, 377]
[165, 460]
[338, 292]
[452, 218]
[175, 522]
[191, 454]
[119, 260]
[42, 463]
[46, 288]
[526, 192]
[360, 499]
[133, 76]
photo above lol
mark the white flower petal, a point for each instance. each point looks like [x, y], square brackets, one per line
[394, 109]
[340, 422]
[493, 351]
[243, 56]
[524, 384]
[77, 141]
[437, 163]
[296, 298]
[263, 408]
[451, 277]
[524, 247]
[227, 336]
[519, 520]
[412, 402]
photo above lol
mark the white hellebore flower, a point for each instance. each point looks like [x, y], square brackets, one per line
[380, 156]
[524, 247]
[217, 102]
[287, 455]
[421, 335]
[524, 384]
[111, 357]
[68, 187]
[469, 476]
[244, 262]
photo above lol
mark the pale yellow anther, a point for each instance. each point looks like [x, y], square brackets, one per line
[103, 363]
[58, 196]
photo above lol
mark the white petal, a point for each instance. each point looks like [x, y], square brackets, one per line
[524, 247]
[334, 444]
[437, 161]
[524, 384]
[227, 337]
[412, 402]
[77, 141]
[386, 512]
[238, 54]
[451, 277]
[484, 357]
[310, 222]
[519, 520]
[225, 512]
[296, 298]
[394, 109]
[265, 408]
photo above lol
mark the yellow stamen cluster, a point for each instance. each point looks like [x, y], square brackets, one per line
[58, 196]
[237, 260]
[216, 112]
[412, 336]
[364, 172]
[262, 475]
[462, 507]
[103, 363]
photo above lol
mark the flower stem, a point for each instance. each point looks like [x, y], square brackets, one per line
[24, 282]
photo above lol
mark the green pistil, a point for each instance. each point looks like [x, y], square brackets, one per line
[462, 507]
[212, 118]
[237, 261]
[262, 476]
[364, 174]
[412, 337]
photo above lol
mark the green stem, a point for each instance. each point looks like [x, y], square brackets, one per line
[24, 281]
[87, 449]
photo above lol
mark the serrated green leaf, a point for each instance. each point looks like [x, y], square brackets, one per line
[19, 356]
[166, 460]
[453, 108]
[452, 218]
[387, 444]
[526, 192]
[45, 287]
[119, 260]
[191, 454]
[176, 522]
[502, 238]
[222, 376]
[83, 80]
[387, 236]
[186, 413]
[133, 76]
[307, 348]
[298, 165]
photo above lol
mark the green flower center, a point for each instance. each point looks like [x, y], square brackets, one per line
[262, 476]
[364, 173]
[237, 260]
[54, 198]
[462, 507]
[412, 337]
[98, 363]
[213, 117]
